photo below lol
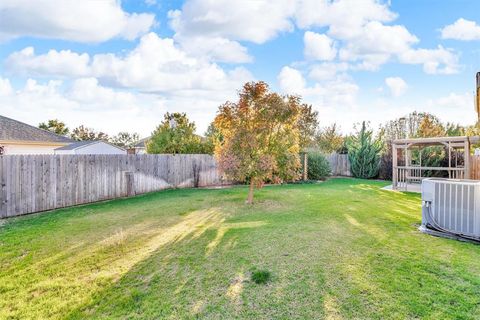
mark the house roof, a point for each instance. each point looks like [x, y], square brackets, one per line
[76, 145]
[13, 130]
[82, 144]
[141, 143]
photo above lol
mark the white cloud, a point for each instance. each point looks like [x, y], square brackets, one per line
[5, 87]
[215, 48]
[397, 86]
[344, 18]
[262, 20]
[462, 29]
[83, 21]
[291, 80]
[181, 74]
[89, 92]
[328, 71]
[335, 100]
[86, 102]
[337, 94]
[455, 107]
[255, 21]
[150, 2]
[434, 61]
[366, 42]
[325, 94]
[155, 65]
[53, 63]
[454, 100]
[214, 28]
[158, 65]
[358, 30]
[154, 77]
[319, 46]
[378, 41]
[132, 90]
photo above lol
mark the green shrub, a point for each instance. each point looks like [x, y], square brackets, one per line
[318, 166]
[386, 162]
[261, 276]
[364, 154]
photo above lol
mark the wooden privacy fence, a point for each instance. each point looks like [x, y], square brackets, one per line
[32, 183]
[339, 164]
[475, 167]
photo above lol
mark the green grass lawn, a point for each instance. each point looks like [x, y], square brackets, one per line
[340, 249]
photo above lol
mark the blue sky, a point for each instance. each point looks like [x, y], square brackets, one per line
[119, 66]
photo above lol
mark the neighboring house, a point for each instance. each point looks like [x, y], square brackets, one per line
[139, 147]
[20, 138]
[90, 147]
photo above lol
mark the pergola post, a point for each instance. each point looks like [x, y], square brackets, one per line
[449, 160]
[394, 166]
[466, 159]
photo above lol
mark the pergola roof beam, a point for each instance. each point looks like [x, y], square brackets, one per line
[436, 140]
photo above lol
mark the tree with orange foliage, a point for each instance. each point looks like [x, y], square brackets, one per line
[260, 137]
[430, 126]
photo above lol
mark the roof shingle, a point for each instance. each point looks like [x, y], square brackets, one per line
[18, 131]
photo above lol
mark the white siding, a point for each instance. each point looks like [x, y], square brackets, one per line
[11, 149]
[140, 151]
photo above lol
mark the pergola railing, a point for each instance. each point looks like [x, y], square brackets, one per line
[409, 173]
[414, 174]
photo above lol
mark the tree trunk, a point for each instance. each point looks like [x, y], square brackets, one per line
[250, 192]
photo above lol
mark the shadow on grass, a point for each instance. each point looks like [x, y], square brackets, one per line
[331, 255]
[159, 277]
[179, 280]
[53, 283]
[52, 261]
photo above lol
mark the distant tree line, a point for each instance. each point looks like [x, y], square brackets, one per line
[82, 133]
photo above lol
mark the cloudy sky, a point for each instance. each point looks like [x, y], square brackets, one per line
[120, 65]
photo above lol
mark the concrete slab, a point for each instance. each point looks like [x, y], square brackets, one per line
[411, 187]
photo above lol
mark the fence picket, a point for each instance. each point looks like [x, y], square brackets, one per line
[32, 183]
[339, 164]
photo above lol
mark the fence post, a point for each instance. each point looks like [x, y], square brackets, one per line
[196, 173]
[130, 180]
[305, 167]
[3, 187]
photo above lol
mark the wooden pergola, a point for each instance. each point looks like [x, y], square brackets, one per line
[412, 173]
